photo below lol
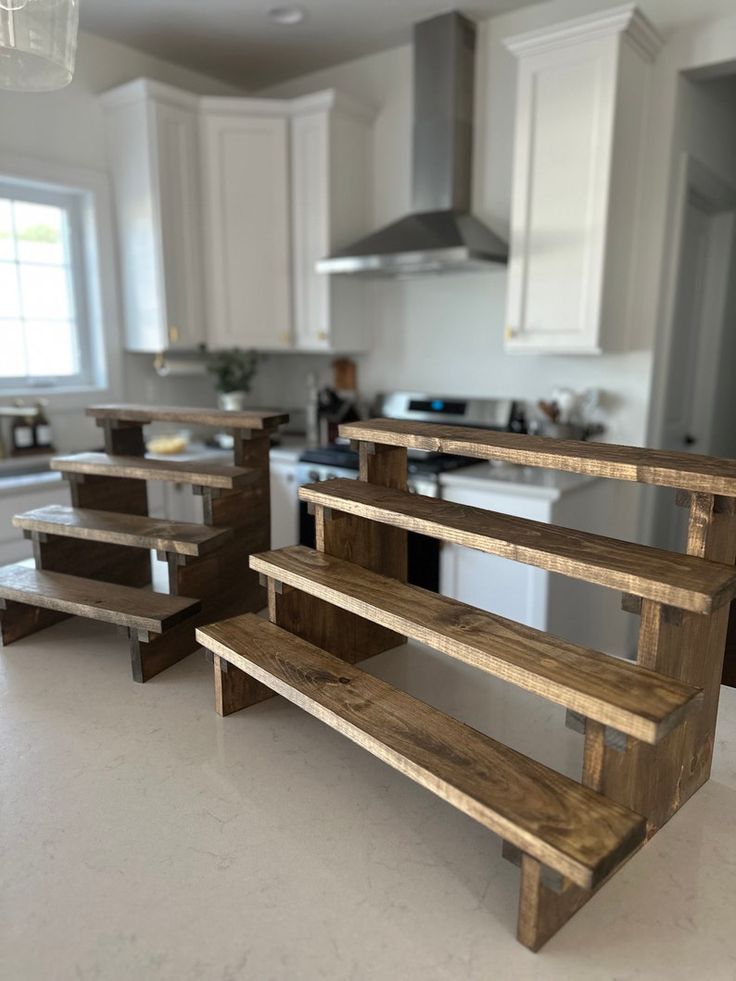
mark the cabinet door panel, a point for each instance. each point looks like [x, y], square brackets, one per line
[310, 195]
[284, 506]
[247, 218]
[560, 199]
[181, 246]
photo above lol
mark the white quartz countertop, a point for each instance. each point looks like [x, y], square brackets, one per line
[505, 478]
[142, 836]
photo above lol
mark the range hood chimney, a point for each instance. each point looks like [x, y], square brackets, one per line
[440, 235]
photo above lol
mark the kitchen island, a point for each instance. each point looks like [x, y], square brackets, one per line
[144, 836]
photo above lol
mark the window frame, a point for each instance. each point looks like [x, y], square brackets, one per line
[104, 354]
[67, 200]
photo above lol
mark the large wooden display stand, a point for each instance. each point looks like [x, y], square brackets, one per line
[648, 726]
[93, 559]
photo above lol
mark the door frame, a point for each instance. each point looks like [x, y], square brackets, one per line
[720, 198]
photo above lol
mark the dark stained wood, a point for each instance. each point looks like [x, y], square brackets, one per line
[201, 473]
[108, 493]
[688, 471]
[123, 438]
[657, 781]
[182, 538]
[223, 419]
[18, 620]
[684, 581]
[139, 609]
[572, 829]
[93, 560]
[612, 691]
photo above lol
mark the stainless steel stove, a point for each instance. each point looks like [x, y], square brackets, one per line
[339, 460]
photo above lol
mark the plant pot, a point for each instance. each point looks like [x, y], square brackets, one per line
[232, 401]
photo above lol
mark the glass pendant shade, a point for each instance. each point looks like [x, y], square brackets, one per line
[38, 44]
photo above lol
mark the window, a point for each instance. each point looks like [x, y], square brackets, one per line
[44, 332]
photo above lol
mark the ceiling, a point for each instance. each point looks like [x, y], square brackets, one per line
[234, 40]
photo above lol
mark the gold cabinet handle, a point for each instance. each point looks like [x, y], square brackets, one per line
[174, 335]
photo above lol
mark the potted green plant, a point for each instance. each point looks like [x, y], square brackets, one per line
[233, 371]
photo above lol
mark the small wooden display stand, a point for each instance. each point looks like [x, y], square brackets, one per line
[648, 726]
[93, 559]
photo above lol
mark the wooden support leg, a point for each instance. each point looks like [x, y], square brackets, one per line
[123, 438]
[18, 620]
[657, 780]
[652, 780]
[151, 655]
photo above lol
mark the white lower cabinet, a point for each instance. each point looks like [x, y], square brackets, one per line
[511, 589]
[569, 608]
[284, 505]
[13, 546]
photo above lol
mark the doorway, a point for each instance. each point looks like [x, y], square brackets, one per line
[697, 354]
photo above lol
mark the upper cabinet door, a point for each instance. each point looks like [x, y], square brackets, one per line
[177, 144]
[311, 227]
[577, 147]
[330, 182]
[153, 143]
[246, 209]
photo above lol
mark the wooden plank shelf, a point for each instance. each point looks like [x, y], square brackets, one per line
[683, 581]
[137, 531]
[138, 609]
[617, 693]
[252, 419]
[685, 471]
[573, 830]
[200, 473]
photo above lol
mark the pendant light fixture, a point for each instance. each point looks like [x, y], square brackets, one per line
[38, 44]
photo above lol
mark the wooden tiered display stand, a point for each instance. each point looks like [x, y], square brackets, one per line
[648, 726]
[93, 559]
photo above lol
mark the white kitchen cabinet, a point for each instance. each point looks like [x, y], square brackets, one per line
[245, 174]
[581, 98]
[154, 156]
[284, 504]
[330, 153]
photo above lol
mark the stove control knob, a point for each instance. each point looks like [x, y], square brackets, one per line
[314, 476]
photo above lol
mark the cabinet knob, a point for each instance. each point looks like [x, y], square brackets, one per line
[322, 335]
[510, 332]
[174, 335]
[285, 337]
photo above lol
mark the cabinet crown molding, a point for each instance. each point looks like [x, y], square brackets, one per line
[228, 105]
[142, 89]
[625, 19]
[332, 99]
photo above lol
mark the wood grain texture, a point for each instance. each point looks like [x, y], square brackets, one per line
[684, 581]
[201, 473]
[108, 493]
[181, 538]
[224, 419]
[612, 691]
[572, 829]
[93, 560]
[140, 609]
[657, 781]
[710, 475]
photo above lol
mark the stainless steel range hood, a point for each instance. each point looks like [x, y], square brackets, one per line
[440, 235]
